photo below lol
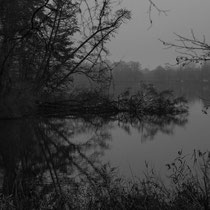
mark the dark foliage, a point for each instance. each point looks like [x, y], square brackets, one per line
[146, 102]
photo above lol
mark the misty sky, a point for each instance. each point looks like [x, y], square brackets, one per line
[135, 42]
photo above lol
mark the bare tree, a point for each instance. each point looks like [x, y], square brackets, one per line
[191, 49]
[54, 40]
[45, 43]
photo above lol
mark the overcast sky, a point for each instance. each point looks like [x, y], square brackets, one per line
[135, 42]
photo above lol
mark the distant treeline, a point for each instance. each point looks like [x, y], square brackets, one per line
[133, 72]
[130, 73]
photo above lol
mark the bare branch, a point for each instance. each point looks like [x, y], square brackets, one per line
[193, 49]
[152, 6]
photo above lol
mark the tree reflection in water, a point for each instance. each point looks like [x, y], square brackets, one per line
[149, 126]
[42, 165]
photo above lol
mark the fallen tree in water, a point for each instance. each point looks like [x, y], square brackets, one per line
[147, 101]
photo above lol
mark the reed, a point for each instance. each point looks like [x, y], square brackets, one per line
[188, 187]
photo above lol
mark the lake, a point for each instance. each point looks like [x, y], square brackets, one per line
[129, 151]
[130, 146]
[50, 152]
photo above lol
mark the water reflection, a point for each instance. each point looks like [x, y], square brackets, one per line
[43, 158]
[149, 126]
[38, 157]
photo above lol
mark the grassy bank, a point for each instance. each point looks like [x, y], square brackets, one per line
[188, 187]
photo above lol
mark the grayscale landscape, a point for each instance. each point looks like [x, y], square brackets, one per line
[104, 104]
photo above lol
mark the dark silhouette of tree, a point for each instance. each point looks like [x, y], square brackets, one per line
[45, 42]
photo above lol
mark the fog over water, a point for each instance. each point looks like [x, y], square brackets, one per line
[77, 134]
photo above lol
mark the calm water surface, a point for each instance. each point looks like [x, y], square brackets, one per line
[48, 153]
[129, 146]
[129, 151]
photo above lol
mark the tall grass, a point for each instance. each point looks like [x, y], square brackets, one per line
[187, 187]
